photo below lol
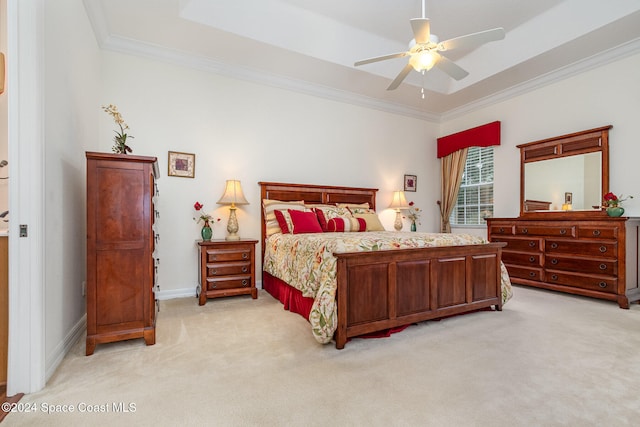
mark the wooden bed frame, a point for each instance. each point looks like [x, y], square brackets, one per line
[387, 289]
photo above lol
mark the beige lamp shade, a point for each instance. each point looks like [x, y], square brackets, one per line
[233, 194]
[399, 201]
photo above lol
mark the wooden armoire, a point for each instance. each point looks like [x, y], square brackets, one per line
[121, 257]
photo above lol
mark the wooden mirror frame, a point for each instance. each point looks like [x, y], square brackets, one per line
[573, 144]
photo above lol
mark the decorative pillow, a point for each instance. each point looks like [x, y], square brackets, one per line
[372, 220]
[346, 224]
[326, 212]
[284, 221]
[304, 222]
[360, 210]
[270, 206]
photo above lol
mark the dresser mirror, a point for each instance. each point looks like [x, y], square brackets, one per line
[565, 173]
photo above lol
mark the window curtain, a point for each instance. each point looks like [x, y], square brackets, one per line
[453, 151]
[451, 177]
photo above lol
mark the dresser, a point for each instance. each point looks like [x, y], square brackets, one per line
[121, 239]
[595, 256]
[227, 268]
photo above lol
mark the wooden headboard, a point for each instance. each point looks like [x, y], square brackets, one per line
[326, 194]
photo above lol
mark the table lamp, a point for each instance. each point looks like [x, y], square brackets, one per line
[233, 196]
[398, 201]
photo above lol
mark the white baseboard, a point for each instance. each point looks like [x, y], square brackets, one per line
[61, 350]
[186, 292]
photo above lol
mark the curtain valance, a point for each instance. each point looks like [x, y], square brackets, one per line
[481, 136]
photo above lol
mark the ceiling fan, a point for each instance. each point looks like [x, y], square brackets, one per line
[425, 50]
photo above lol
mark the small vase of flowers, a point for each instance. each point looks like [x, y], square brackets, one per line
[206, 232]
[413, 215]
[612, 204]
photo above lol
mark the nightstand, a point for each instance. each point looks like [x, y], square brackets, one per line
[227, 268]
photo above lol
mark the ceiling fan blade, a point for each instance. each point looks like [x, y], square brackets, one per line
[450, 67]
[421, 30]
[474, 39]
[381, 58]
[396, 82]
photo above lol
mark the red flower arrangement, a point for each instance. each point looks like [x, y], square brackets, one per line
[202, 216]
[612, 201]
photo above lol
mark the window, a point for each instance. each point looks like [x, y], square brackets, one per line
[475, 199]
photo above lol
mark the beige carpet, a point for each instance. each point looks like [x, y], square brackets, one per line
[547, 359]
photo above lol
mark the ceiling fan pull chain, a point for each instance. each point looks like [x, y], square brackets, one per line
[422, 90]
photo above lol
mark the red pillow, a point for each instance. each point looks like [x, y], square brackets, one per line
[282, 221]
[304, 222]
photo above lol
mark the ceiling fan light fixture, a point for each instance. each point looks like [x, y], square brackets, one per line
[423, 61]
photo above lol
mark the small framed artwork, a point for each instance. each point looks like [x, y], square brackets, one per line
[182, 164]
[568, 198]
[410, 182]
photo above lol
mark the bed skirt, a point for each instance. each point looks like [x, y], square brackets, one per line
[293, 300]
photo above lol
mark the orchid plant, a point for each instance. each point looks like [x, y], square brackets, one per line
[613, 201]
[201, 216]
[120, 146]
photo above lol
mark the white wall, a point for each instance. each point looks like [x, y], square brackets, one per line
[255, 133]
[72, 82]
[606, 95]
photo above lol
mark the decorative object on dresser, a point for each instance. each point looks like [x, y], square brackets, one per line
[227, 268]
[120, 140]
[182, 164]
[398, 202]
[233, 196]
[581, 251]
[612, 204]
[121, 243]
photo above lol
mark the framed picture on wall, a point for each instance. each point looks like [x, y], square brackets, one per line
[182, 164]
[410, 182]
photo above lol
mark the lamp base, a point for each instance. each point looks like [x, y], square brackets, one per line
[232, 225]
[398, 223]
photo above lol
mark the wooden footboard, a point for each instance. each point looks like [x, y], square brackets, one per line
[384, 289]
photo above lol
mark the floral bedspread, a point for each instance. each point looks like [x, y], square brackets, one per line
[306, 262]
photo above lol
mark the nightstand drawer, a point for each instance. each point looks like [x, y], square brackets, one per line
[228, 282]
[221, 255]
[227, 269]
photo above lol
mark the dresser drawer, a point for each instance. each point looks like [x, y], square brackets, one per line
[522, 258]
[520, 244]
[607, 267]
[524, 272]
[228, 282]
[610, 233]
[546, 230]
[220, 255]
[596, 249]
[229, 268]
[581, 281]
[504, 229]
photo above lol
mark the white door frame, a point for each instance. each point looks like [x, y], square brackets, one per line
[25, 91]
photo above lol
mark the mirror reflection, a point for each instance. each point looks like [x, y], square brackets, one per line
[566, 183]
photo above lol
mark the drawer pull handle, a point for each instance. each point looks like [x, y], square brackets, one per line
[502, 229]
[532, 274]
[554, 277]
[244, 269]
[245, 282]
[213, 257]
[214, 271]
[563, 231]
[602, 285]
[214, 285]
[554, 261]
[603, 266]
[603, 249]
[245, 255]
[554, 246]
[597, 233]
[525, 231]
[532, 244]
[532, 259]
